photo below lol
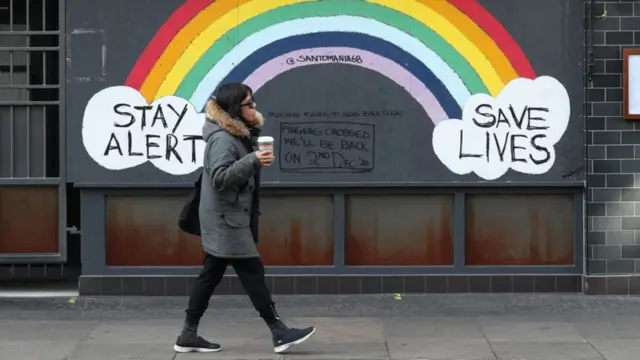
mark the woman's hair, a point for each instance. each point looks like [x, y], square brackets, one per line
[230, 97]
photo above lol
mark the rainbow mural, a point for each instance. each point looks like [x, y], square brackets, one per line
[440, 51]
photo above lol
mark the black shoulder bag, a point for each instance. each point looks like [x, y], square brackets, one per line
[189, 221]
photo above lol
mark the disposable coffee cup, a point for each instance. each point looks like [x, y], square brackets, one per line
[265, 143]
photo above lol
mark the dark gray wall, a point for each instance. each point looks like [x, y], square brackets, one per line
[104, 41]
[105, 38]
[613, 150]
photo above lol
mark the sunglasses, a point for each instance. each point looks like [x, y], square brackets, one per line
[251, 104]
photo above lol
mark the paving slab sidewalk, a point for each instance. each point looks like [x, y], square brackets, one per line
[438, 327]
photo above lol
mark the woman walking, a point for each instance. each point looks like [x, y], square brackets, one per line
[229, 203]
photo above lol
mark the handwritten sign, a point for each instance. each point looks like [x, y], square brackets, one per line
[326, 147]
[517, 130]
[120, 130]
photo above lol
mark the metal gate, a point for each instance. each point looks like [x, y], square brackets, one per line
[32, 132]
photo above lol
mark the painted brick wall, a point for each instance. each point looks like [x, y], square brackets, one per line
[614, 149]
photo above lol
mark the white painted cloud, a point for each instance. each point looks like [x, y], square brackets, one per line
[518, 129]
[120, 130]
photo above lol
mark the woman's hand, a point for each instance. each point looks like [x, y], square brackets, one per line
[265, 157]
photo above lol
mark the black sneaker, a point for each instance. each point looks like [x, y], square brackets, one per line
[285, 337]
[193, 343]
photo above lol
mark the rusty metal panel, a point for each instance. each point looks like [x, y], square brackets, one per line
[296, 230]
[399, 230]
[143, 231]
[29, 220]
[519, 230]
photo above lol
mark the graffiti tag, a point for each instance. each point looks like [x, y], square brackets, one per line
[348, 59]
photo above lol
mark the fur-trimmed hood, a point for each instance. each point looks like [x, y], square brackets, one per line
[219, 120]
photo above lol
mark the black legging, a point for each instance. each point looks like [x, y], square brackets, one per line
[251, 274]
